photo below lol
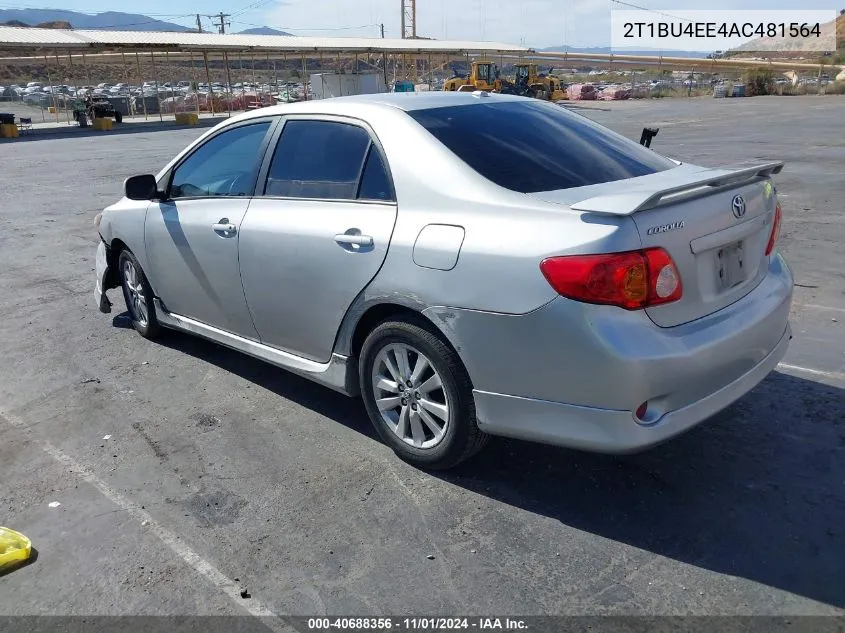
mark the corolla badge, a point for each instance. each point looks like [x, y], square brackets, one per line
[663, 228]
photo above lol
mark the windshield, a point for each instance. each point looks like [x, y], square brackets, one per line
[531, 146]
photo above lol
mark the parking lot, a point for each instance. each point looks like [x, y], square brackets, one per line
[227, 486]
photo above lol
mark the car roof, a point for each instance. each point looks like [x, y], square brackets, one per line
[424, 100]
[405, 101]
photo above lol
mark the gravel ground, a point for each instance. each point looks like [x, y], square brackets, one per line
[230, 487]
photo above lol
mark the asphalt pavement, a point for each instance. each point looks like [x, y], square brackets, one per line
[194, 480]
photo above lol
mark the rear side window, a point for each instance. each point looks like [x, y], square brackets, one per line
[318, 159]
[375, 183]
[533, 146]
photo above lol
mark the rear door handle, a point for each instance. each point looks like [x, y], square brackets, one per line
[355, 240]
[224, 226]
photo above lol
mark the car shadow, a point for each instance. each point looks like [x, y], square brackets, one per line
[348, 411]
[756, 492]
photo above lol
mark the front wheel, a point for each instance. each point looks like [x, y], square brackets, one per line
[418, 395]
[138, 295]
[118, 117]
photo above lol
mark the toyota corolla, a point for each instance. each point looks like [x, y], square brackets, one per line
[468, 264]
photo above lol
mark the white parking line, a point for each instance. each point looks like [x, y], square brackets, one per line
[813, 372]
[175, 543]
[815, 306]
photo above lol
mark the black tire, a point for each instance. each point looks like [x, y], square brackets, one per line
[149, 328]
[462, 438]
[118, 117]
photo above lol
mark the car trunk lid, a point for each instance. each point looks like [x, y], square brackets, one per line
[715, 224]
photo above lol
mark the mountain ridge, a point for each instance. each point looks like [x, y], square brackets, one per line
[106, 21]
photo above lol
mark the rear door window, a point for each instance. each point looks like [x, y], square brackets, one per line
[531, 146]
[318, 159]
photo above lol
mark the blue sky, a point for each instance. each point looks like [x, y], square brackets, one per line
[537, 23]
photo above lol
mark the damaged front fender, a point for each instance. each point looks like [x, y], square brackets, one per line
[105, 278]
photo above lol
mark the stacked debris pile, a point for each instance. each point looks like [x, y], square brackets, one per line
[615, 94]
[581, 92]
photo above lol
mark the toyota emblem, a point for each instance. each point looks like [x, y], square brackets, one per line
[738, 206]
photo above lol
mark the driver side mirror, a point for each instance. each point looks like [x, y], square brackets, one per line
[141, 187]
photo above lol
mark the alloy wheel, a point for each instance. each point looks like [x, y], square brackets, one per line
[137, 301]
[409, 395]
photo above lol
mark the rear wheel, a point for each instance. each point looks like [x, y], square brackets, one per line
[138, 296]
[418, 395]
[118, 117]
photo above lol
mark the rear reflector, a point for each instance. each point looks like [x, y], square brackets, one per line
[773, 238]
[631, 280]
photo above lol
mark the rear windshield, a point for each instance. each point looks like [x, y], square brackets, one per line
[531, 146]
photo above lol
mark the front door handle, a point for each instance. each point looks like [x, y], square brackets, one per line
[225, 227]
[354, 240]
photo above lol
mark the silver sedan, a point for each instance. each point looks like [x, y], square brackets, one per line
[469, 264]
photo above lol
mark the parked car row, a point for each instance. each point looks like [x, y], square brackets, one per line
[37, 93]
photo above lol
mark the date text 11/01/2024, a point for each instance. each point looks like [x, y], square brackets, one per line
[416, 624]
[636, 30]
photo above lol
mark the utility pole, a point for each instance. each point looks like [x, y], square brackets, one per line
[199, 24]
[382, 30]
[222, 24]
[409, 19]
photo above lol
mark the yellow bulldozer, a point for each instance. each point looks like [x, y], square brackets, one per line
[484, 75]
[530, 82]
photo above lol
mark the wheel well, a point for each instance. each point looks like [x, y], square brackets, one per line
[115, 248]
[382, 312]
[388, 311]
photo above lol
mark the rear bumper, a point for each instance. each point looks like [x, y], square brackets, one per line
[608, 430]
[572, 374]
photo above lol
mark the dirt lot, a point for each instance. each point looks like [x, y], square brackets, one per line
[222, 474]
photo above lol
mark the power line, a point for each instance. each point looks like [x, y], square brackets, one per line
[666, 15]
[251, 7]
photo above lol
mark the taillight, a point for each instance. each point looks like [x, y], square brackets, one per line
[630, 280]
[773, 238]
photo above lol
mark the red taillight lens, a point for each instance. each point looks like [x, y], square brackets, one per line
[773, 238]
[632, 280]
[641, 411]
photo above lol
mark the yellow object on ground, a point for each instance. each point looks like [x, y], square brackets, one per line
[102, 124]
[8, 130]
[14, 547]
[187, 118]
[51, 109]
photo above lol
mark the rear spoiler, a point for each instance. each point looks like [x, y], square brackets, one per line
[634, 200]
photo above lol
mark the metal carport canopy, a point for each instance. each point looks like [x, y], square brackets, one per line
[12, 37]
